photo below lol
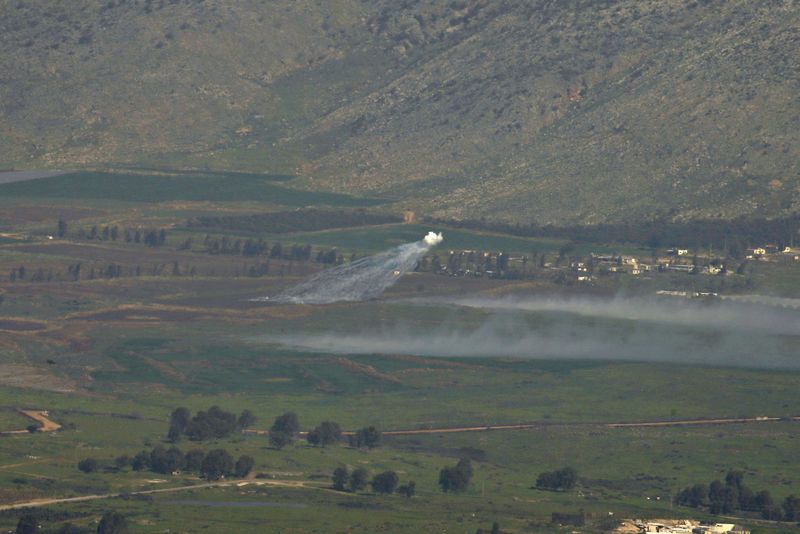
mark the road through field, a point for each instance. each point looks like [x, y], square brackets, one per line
[528, 426]
[35, 503]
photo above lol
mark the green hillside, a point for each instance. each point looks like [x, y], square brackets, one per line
[519, 110]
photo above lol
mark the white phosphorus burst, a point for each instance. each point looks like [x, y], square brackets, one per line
[362, 279]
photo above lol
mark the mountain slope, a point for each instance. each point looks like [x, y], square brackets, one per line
[551, 111]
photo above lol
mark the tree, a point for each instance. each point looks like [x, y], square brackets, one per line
[122, 461]
[217, 464]
[246, 419]
[495, 528]
[563, 479]
[693, 496]
[112, 523]
[340, 477]
[215, 423]
[326, 433]
[166, 461]
[287, 423]
[791, 508]
[384, 482]
[32, 428]
[27, 524]
[62, 228]
[243, 466]
[408, 489]
[141, 461]
[193, 460]
[368, 437]
[359, 479]
[456, 478]
[716, 497]
[763, 500]
[279, 440]
[88, 465]
[178, 421]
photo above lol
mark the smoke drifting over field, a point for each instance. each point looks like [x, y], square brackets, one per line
[362, 279]
[662, 330]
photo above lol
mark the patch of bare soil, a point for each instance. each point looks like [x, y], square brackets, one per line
[30, 377]
[41, 416]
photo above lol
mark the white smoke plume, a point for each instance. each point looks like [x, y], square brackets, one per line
[551, 328]
[362, 279]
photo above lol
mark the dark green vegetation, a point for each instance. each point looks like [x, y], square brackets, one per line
[516, 110]
[169, 378]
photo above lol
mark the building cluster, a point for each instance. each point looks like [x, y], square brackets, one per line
[688, 526]
[772, 253]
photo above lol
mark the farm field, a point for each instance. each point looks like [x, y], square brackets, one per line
[110, 336]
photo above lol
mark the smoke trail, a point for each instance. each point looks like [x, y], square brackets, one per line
[362, 279]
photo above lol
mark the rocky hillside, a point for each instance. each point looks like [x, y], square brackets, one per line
[556, 111]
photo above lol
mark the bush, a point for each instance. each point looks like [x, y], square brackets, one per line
[112, 523]
[326, 433]
[243, 466]
[287, 423]
[88, 465]
[408, 489]
[456, 478]
[217, 464]
[340, 477]
[28, 524]
[279, 440]
[368, 437]
[358, 479]
[560, 480]
[384, 482]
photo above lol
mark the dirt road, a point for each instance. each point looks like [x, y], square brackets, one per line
[34, 503]
[528, 426]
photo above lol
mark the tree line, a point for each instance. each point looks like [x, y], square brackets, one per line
[212, 465]
[733, 495]
[452, 479]
[214, 423]
[147, 236]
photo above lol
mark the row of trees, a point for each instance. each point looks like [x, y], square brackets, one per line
[734, 495]
[214, 423]
[384, 483]
[213, 465]
[452, 479]
[150, 237]
[259, 247]
[287, 426]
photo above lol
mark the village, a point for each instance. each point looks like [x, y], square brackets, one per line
[682, 526]
[566, 268]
